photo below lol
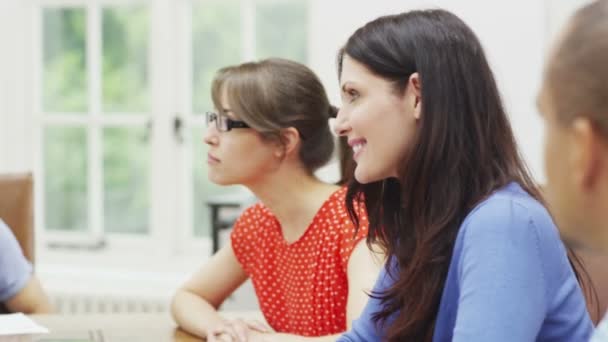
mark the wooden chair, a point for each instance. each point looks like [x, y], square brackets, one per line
[17, 209]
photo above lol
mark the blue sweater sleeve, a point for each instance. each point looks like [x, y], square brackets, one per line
[15, 270]
[509, 280]
[503, 289]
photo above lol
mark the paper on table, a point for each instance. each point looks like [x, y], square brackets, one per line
[18, 323]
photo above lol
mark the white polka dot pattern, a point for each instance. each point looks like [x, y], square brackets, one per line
[302, 287]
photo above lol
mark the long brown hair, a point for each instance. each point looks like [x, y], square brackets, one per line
[464, 150]
[273, 94]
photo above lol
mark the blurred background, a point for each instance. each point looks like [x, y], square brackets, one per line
[104, 100]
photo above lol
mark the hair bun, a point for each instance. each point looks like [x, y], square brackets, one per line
[333, 111]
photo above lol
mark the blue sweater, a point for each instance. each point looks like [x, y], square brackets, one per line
[509, 280]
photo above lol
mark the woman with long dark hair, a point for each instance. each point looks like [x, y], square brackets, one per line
[473, 253]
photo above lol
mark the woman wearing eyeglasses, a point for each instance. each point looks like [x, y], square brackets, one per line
[270, 133]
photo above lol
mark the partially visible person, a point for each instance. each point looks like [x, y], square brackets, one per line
[20, 290]
[473, 254]
[309, 267]
[574, 104]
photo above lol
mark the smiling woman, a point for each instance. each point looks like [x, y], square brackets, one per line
[449, 197]
[375, 112]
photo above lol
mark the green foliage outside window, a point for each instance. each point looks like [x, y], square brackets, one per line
[217, 41]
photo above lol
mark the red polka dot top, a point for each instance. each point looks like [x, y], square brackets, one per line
[302, 286]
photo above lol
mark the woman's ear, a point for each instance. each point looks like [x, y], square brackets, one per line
[586, 151]
[290, 138]
[413, 85]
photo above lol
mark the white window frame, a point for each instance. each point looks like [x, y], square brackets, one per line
[188, 242]
[93, 121]
[170, 63]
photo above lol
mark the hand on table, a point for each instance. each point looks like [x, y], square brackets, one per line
[239, 330]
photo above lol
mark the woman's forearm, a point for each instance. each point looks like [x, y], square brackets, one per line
[193, 314]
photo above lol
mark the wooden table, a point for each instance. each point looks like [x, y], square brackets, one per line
[108, 328]
[117, 328]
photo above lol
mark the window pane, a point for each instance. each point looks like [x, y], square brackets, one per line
[125, 179]
[64, 54]
[125, 60]
[205, 189]
[65, 178]
[281, 29]
[216, 43]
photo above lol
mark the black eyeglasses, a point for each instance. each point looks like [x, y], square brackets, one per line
[223, 123]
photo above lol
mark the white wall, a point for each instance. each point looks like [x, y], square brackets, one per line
[15, 121]
[515, 35]
[558, 12]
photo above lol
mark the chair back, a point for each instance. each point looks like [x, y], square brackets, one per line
[17, 209]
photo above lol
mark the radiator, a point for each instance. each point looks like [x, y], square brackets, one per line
[68, 303]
